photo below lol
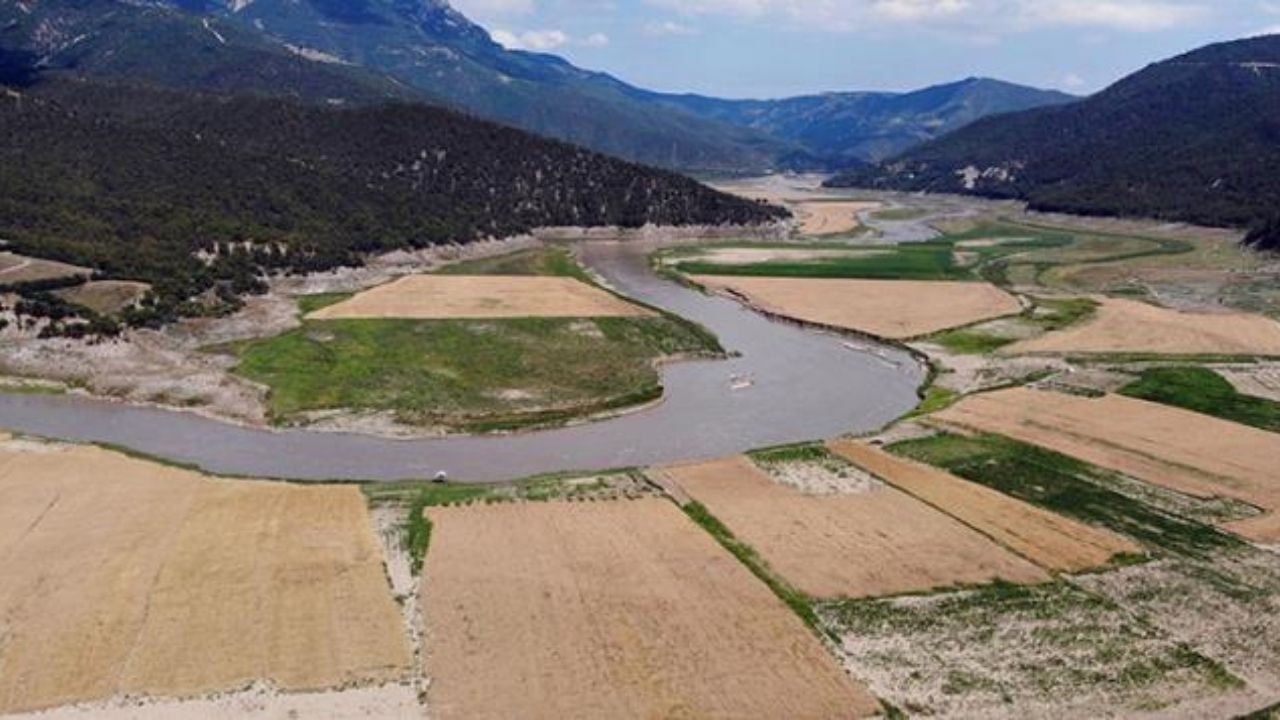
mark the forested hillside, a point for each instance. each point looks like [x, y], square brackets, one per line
[201, 193]
[1195, 138]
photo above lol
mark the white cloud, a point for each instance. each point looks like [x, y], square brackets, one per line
[972, 15]
[545, 40]
[1073, 81]
[670, 27]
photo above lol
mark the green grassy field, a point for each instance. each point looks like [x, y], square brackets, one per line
[1066, 486]
[1204, 391]
[1002, 252]
[468, 375]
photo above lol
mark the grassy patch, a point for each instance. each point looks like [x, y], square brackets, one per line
[308, 304]
[1204, 391]
[918, 261]
[936, 399]
[463, 373]
[1066, 486]
[799, 603]
[469, 375]
[799, 452]
[969, 341]
[899, 214]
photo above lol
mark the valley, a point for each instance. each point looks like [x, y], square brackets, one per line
[358, 360]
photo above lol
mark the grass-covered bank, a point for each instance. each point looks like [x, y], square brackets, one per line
[470, 375]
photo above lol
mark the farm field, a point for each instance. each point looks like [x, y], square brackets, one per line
[1128, 326]
[880, 542]
[127, 577]
[450, 297]
[895, 309]
[829, 217]
[1188, 452]
[470, 375]
[639, 613]
[1047, 539]
[1204, 391]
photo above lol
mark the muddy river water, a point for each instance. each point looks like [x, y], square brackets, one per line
[786, 384]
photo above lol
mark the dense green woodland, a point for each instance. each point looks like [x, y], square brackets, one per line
[200, 195]
[1195, 139]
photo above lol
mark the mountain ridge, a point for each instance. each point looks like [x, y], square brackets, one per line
[1194, 138]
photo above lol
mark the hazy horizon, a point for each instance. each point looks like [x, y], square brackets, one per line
[778, 48]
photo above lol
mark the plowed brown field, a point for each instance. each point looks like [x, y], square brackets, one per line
[895, 309]
[882, 542]
[620, 609]
[1129, 326]
[1045, 538]
[124, 576]
[445, 297]
[1185, 451]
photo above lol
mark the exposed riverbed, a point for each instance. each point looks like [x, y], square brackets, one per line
[786, 384]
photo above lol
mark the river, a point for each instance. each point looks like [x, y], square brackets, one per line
[786, 384]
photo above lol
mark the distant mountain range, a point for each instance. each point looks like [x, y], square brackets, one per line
[360, 51]
[1195, 138]
[849, 128]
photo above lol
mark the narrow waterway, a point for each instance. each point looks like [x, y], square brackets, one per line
[787, 384]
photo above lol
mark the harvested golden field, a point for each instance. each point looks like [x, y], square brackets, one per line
[829, 217]
[1047, 539]
[16, 268]
[611, 610]
[1129, 326]
[1191, 453]
[446, 297]
[882, 542]
[127, 577]
[895, 309]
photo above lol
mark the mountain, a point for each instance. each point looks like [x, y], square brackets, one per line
[361, 51]
[426, 44]
[849, 128]
[158, 45]
[1195, 138]
[197, 194]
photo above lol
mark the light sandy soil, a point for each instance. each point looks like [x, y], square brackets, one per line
[1129, 326]
[20, 269]
[1045, 652]
[1047, 539]
[262, 702]
[129, 578]
[829, 217]
[1184, 451]
[876, 543]
[895, 309]
[1259, 380]
[826, 477]
[106, 297]
[443, 297]
[611, 609]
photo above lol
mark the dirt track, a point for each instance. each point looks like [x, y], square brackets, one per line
[895, 309]
[1129, 326]
[443, 297]
[127, 577]
[611, 610]
[1185, 451]
[1047, 539]
[882, 542]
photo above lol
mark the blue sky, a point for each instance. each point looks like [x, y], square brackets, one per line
[773, 48]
